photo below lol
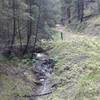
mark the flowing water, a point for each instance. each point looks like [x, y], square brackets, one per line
[43, 70]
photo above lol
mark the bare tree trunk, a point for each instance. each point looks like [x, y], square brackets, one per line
[36, 29]
[81, 10]
[69, 14]
[8, 32]
[19, 32]
[14, 28]
[98, 1]
[29, 23]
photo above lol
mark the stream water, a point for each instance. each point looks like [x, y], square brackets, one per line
[43, 70]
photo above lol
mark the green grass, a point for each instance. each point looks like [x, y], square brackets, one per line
[12, 84]
[13, 87]
[77, 68]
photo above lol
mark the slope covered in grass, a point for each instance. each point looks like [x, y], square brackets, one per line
[93, 26]
[16, 80]
[77, 71]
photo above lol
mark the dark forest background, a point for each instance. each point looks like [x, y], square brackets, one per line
[24, 23]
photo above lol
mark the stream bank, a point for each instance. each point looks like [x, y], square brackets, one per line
[25, 82]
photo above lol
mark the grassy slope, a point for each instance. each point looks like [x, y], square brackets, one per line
[77, 71]
[77, 68]
[14, 84]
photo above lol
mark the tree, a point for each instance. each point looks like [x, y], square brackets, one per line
[80, 10]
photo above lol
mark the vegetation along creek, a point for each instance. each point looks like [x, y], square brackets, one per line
[49, 49]
[43, 69]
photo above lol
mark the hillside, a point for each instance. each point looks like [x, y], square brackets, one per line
[49, 49]
[93, 26]
[77, 71]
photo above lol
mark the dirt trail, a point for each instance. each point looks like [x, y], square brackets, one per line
[69, 35]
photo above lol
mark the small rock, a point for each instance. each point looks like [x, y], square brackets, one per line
[42, 80]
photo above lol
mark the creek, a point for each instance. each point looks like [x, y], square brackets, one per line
[43, 69]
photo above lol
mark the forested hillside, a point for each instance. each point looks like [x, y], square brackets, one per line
[49, 49]
[25, 23]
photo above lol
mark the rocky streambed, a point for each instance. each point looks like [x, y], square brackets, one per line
[43, 70]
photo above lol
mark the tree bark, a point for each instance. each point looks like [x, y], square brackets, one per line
[29, 32]
[14, 28]
[80, 10]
